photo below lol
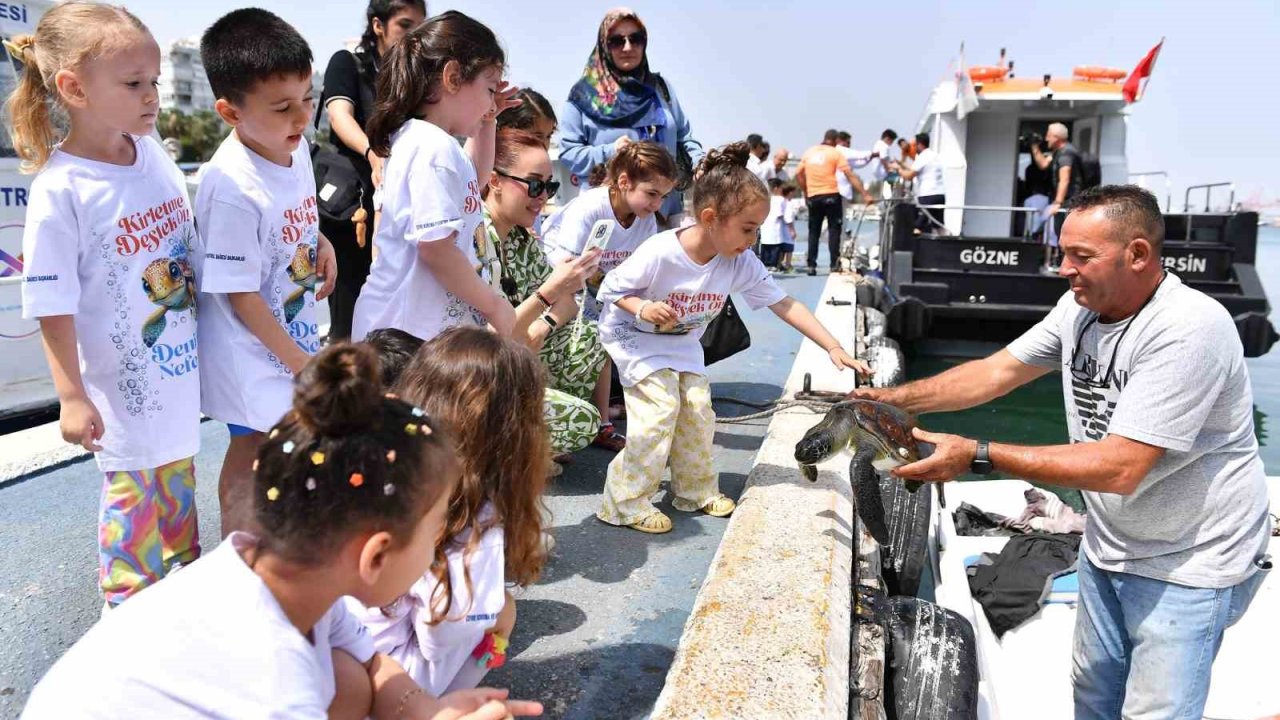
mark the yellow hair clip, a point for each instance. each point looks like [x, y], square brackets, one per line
[16, 48]
[317, 458]
[273, 494]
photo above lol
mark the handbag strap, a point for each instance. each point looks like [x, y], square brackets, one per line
[365, 91]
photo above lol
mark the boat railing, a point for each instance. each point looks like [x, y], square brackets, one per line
[1208, 191]
[1168, 185]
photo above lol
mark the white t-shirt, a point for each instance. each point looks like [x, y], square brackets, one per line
[433, 654]
[762, 169]
[882, 151]
[565, 235]
[929, 169]
[210, 641]
[258, 231]
[430, 194]
[662, 271]
[112, 245]
[1173, 376]
[781, 214]
[857, 159]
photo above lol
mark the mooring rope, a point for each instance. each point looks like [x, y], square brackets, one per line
[769, 409]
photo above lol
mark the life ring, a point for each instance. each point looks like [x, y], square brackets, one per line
[1095, 72]
[981, 73]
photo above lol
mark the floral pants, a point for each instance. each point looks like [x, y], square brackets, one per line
[147, 523]
[670, 422]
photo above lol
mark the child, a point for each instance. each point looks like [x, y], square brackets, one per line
[657, 305]
[453, 625]
[262, 256]
[442, 79]
[106, 250]
[533, 113]
[790, 206]
[778, 231]
[350, 495]
[640, 176]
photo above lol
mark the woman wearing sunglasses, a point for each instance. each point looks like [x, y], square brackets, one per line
[618, 100]
[518, 189]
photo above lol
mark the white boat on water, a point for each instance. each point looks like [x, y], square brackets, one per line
[1027, 672]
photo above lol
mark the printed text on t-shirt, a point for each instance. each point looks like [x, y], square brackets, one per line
[298, 220]
[693, 303]
[144, 230]
[472, 203]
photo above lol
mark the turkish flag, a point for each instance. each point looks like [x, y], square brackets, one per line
[1143, 70]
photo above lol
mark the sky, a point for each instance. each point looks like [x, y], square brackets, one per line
[789, 70]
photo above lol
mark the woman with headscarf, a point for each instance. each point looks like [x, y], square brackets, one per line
[349, 82]
[618, 100]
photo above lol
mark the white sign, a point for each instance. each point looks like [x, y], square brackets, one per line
[981, 256]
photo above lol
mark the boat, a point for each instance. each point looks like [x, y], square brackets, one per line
[980, 276]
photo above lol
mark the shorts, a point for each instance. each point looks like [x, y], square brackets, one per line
[240, 430]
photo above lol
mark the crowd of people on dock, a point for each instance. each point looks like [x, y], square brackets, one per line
[369, 530]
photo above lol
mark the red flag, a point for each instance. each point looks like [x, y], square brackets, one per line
[1143, 70]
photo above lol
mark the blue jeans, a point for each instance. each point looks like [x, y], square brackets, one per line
[1144, 648]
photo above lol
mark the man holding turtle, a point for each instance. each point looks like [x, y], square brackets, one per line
[1160, 414]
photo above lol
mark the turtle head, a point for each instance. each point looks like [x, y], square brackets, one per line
[830, 436]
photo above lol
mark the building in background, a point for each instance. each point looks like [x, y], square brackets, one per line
[183, 85]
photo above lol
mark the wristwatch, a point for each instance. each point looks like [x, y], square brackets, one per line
[981, 464]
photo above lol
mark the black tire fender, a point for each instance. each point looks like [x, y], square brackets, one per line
[932, 663]
[903, 557]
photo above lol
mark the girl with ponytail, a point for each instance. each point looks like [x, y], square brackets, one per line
[108, 274]
[657, 305]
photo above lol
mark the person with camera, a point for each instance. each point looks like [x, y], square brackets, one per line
[1167, 458]
[1065, 166]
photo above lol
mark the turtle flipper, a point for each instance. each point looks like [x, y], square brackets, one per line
[294, 304]
[866, 493]
[809, 472]
[153, 327]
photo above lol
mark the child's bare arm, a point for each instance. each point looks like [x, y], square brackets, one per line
[397, 697]
[256, 316]
[451, 268]
[658, 313]
[78, 420]
[798, 316]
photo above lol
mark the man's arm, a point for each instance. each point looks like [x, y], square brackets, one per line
[1115, 464]
[800, 180]
[1041, 160]
[856, 182]
[1064, 183]
[962, 387]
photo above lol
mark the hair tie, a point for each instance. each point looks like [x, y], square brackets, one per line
[18, 47]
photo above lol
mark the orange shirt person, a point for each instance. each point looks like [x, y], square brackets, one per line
[816, 177]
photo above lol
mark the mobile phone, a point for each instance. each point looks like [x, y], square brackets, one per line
[600, 234]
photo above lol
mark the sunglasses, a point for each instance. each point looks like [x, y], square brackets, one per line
[537, 186]
[617, 42]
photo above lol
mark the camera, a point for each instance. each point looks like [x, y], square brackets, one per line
[1026, 140]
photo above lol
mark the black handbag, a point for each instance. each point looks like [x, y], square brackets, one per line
[339, 188]
[684, 161]
[725, 336]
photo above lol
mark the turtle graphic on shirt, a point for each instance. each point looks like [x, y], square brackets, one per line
[302, 271]
[170, 284]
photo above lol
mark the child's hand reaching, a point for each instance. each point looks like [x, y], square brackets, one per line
[842, 360]
[503, 99]
[482, 704]
[658, 313]
[80, 423]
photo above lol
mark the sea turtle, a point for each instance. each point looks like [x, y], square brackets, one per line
[169, 283]
[879, 437]
[302, 271]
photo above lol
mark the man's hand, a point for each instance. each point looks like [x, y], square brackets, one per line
[884, 395]
[326, 267]
[952, 457]
[1052, 210]
[867, 199]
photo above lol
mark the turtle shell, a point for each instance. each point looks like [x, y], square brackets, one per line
[891, 425]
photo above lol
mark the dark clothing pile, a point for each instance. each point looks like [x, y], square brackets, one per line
[1013, 585]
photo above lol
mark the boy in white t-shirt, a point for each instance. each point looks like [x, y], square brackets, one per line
[658, 304]
[261, 257]
[106, 270]
[778, 234]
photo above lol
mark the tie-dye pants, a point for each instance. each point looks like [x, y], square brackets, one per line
[670, 422]
[147, 523]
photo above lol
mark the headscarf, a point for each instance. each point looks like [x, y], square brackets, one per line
[611, 97]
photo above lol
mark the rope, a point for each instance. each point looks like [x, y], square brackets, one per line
[769, 409]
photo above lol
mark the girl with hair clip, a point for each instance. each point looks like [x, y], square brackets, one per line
[108, 272]
[349, 82]
[350, 494]
[443, 79]
[452, 627]
[640, 176]
[657, 305]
